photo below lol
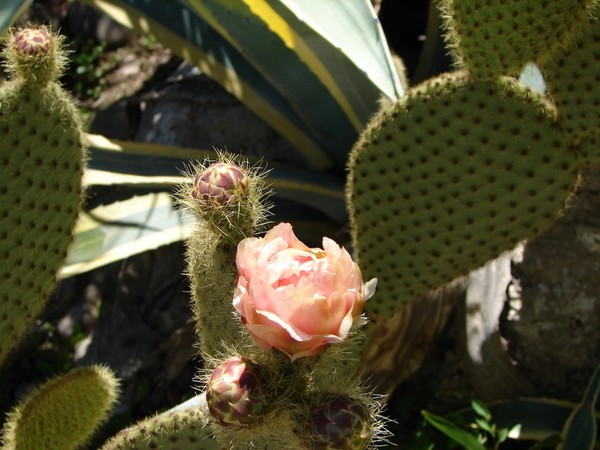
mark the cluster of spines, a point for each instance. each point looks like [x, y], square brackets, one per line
[572, 75]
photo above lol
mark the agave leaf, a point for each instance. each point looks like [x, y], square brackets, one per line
[333, 77]
[10, 10]
[178, 27]
[581, 429]
[366, 49]
[113, 232]
[276, 49]
[143, 165]
[308, 77]
[136, 211]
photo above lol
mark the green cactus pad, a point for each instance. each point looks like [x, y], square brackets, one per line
[213, 275]
[63, 413]
[212, 247]
[498, 37]
[572, 74]
[180, 430]
[449, 177]
[40, 194]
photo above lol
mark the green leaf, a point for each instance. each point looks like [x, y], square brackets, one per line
[482, 410]
[484, 425]
[10, 10]
[460, 436]
[502, 435]
[581, 429]
[529, 419]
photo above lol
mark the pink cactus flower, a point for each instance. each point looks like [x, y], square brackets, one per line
[295, 298]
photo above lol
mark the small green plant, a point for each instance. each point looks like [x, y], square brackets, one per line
[479, 434]
[87, 69]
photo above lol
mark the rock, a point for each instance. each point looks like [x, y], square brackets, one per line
[554, 336]
[192, 110]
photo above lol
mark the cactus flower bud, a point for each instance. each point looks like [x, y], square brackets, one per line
[343, 423]
[32, 41]
[221, 183]
[35, 54]
[234, 393]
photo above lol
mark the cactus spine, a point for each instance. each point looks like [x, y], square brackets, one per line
[40, 191]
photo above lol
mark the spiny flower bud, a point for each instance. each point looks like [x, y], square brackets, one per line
[221, 183]
[32, 41]
[34, 54]
[343, 423]
[234, 393]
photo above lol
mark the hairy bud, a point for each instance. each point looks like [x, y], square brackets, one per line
[32, 41]
[234, 393]
[221, 183]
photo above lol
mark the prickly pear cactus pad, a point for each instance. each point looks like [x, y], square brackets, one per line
[449, 177]
[181, 430]
[498, 37]
[40, 189]
[572, 74]
[63, 413]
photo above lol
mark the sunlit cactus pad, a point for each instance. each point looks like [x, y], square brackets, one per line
[498, 37]
[572, 74]
[449, 177]
[169, 431]
[64, 412]
[40, 192]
